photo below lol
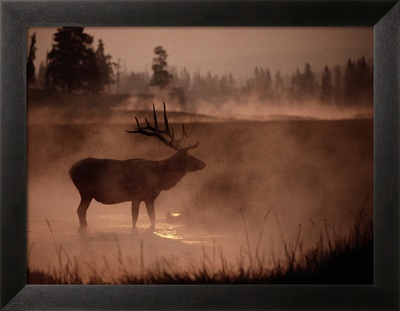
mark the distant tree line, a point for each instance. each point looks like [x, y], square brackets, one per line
[347, 85]
[350, 84]
[74, 65]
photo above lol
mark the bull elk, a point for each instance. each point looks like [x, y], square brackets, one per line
[112, 181]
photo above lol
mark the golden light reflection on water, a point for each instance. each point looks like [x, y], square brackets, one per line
[168, 235]
[169, 231]
[104, 228]
[179, 232]
[193, 242]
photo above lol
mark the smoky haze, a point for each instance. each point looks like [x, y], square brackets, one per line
[305, 170]
[288, 153]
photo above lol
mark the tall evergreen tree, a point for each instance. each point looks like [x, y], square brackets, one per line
[161, 77]
[260, 84]
[296, 84]
[105, 70]
[70, 61]
[310, 84]
[304, 86]
[326, 86]
[350, 82]
[362, 74]
[337, 85]
[30, 66]
[279, 85]
[92, 82]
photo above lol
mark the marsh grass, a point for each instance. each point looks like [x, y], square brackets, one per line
[334, 259]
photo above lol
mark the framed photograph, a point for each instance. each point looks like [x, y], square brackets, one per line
[199, 155]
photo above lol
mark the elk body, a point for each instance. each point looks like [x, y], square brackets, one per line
[137, 180]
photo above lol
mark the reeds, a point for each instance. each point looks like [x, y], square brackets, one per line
[334, 259]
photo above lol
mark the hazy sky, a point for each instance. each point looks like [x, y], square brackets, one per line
[223, 50]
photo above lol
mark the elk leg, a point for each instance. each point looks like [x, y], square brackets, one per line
[150, 212]
[82, 209]
[135, 212]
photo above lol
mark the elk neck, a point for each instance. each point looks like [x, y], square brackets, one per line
[170, 171]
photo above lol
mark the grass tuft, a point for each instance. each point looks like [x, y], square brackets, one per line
[333, 260]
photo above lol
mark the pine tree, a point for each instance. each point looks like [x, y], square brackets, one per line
[30, 70]
[104, 65]
[260, 84]
[310, 84]
[326, 86]
[350, 82]
[362, 74]
[338, 85]
[279, 85]
[296, 84]
[92, 81]
[161, 77]
[70, 61]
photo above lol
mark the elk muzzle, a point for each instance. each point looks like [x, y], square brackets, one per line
[195, 164]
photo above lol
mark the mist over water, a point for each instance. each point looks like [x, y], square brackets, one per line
[307, 166]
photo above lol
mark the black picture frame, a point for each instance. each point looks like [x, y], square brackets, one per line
[384, 16]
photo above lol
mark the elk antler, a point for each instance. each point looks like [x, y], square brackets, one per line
[163, 134]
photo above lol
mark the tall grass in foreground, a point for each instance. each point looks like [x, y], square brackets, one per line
[333, 260]
[339, 260]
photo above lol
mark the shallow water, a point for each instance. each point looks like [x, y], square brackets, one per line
[110, 245]
[312, 175]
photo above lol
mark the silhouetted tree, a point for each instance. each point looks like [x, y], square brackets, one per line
[211, 84]
[105, 70]
[296, 84]
[363, 75]
[326, 86]
[30, 66]
[310, 85]
[337, 85]
[223, 85]
[279, 85]
[70, 59]
[350, 82]
[161, 76]
[260, 84]
[357, 84]
[92, 80]
[225, 88]
[304, 86]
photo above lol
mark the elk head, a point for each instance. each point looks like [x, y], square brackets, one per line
[167, 136]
